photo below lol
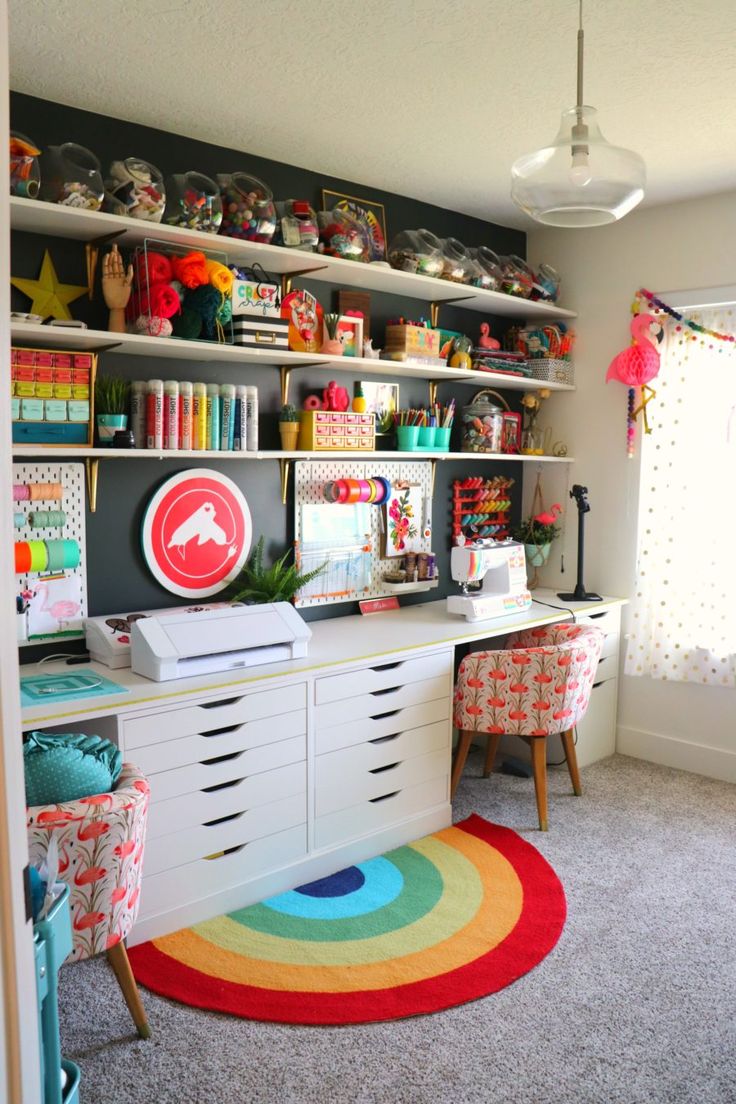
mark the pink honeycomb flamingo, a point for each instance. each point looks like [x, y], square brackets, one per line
[637, 365]
[62, 611]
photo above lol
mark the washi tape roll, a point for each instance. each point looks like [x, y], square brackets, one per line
[341, 487]
[45, 491]
[312, 402]
[353, 490]
[19, 520]
[62, 554]
[21, 492]
[47, 519]
[364, 490]
[39, 555]
[22, 557]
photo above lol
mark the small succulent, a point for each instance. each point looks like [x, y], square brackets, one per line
[289, 413]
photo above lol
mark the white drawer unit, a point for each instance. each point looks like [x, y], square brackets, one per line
[213, 772]
[392, 722]
[597, 730]
[210, 715]
[360, 785]
[365, 817]
[383, 701]
[381, 677]
[381, 751]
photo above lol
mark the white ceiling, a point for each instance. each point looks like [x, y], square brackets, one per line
[427, 98]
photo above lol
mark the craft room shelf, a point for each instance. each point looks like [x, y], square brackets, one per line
[53, 220]
[80, 453]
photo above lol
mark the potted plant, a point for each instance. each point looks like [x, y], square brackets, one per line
[537, 534]
[112, 398]
[332, 346]
[289, 426]
[257, 583]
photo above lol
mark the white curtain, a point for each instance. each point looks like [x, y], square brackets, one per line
[683, 624]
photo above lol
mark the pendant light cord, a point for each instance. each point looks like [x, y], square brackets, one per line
[579, 100]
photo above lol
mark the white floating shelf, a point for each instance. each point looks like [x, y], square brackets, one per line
[51, 219]
[408, 588]
[81, 453]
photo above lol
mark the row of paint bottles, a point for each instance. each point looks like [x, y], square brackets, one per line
[176, 415]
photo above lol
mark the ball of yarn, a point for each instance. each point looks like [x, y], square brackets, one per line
[206, 302]
[220, 277]
[163, 302]
[179, 289]
[191, 269]
[152, 268]
[153, 327]
[225, 313]
[188, 325]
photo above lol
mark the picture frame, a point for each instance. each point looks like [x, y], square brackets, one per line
[369, 212]
[350, 335]
[510, 432]
[382, 400]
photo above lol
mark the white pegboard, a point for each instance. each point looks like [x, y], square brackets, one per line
[56, 593]
[365, 579]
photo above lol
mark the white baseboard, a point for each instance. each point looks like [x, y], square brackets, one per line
[682, 754]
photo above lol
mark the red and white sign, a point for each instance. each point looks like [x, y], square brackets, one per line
[197, 533]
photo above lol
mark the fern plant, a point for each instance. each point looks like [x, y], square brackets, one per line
[257, 583]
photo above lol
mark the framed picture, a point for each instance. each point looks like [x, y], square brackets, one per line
[371, 214]
[402, 520]
[382, 400]
[510, 431]
[350, 335]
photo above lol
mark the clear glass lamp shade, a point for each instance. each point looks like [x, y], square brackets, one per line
[579, 179]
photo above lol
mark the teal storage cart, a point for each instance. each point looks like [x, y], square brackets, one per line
[52, 939]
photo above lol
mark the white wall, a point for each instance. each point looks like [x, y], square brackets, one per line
[677, 246]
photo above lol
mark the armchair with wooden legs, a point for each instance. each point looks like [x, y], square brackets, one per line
[538, 686]
[100, 841]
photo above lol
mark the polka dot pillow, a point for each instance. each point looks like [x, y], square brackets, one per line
[67, 766]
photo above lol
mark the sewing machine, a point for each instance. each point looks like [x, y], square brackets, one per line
[500, 568]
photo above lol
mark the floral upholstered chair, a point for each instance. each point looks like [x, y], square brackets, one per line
[537, 686]
[100, 841]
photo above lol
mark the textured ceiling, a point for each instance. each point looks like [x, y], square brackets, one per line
[426, 98]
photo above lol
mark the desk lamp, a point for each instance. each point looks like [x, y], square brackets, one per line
[580, 594]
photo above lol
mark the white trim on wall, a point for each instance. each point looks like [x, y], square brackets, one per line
[681, 754]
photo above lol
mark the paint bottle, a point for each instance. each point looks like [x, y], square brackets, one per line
[213, 416]
[171, 414]
[199, 416]
[138, 412]
[227, 427]
[251, 419]
[239, 440]
[155, 414]
[185, 415]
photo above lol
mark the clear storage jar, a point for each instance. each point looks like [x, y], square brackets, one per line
[455, 261]
[430, 256]
[481, 423]
[72, 177]
[403, 252]
[139, 187]
[248, 210]
[25, 172]
[547, 285]
[488, 269]
[297, 225]
[518, 278]
[193, 200]
[341, 235]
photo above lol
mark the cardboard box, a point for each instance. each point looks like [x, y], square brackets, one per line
[419, 341]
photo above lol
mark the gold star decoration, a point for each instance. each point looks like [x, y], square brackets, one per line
[49, 297]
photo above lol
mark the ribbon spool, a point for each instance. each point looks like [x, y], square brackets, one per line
[45, 491]
[62, 554]
[48, 519]
[21, 492]
[19, 520]
[22, 557]
[39, 555]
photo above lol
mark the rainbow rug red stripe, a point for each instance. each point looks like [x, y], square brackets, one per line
[445, 920]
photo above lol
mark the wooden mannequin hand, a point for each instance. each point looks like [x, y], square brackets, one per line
[116, 288]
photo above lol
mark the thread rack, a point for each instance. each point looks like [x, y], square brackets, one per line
[480, 508]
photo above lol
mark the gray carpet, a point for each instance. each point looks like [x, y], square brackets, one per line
[634, 1006]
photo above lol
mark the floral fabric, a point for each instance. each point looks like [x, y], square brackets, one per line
[100, 840]
[537, 687]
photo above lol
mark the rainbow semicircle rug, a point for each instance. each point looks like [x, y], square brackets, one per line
[444, 920]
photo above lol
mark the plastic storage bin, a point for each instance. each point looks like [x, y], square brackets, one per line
[52, 939]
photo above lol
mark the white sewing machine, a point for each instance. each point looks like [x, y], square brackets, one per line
[500, 568]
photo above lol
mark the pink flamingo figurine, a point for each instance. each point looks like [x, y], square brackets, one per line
[485, 341]
[61, 611]
[637, 365]
[549, 517]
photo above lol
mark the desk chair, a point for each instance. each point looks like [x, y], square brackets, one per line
[537, 686]
[100, 841]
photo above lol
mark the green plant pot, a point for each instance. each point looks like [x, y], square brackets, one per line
[537, 554]
[108, 425]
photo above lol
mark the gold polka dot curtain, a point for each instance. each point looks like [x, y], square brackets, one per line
[683, 615]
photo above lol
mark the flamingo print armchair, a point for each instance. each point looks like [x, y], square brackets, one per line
[537, 686]
[100, 841]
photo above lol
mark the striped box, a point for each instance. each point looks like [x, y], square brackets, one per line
[261, 333]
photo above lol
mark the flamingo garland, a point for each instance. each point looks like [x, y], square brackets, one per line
[635, 367]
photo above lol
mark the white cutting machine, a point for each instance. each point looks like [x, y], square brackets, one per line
[500, 568]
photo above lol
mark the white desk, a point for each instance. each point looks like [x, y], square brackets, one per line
[305, 766]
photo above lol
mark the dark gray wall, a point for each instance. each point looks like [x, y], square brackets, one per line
[118, 578]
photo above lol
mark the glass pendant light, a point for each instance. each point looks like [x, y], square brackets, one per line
[579, 179]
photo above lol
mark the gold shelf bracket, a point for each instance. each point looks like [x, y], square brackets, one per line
[92, 466]
[287, 278]
[285, 373]
[434, 308]
[432, 477]
[432, 392]
[284, 468]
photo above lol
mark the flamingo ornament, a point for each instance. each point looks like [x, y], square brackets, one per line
[636, 366]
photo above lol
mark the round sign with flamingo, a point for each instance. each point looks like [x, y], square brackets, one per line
[197, 533]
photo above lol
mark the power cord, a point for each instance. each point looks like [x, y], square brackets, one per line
[563, 761]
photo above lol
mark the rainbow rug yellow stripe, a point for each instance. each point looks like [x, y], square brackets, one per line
[447, 919]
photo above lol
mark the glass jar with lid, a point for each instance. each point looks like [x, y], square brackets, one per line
[25, 173]
[518, 278]
[403, 252]
[342, 235]
[139, 187]
[248, 210]
[429, 253]
[547, 285]
[488, 269]
[193, 200]
[482, 423]
[456, 261]
[72, 177]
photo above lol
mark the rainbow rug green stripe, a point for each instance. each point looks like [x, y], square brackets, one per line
[447, 919]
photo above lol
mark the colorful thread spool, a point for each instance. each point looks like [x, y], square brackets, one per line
[22, 557]
[48, 519]
[39, 555]
[63, 555]
[40, 491]
[21, 492]
[19, 520]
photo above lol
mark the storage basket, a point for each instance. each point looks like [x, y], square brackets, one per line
[553, 371]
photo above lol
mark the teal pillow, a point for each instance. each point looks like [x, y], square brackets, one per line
[66, 766]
